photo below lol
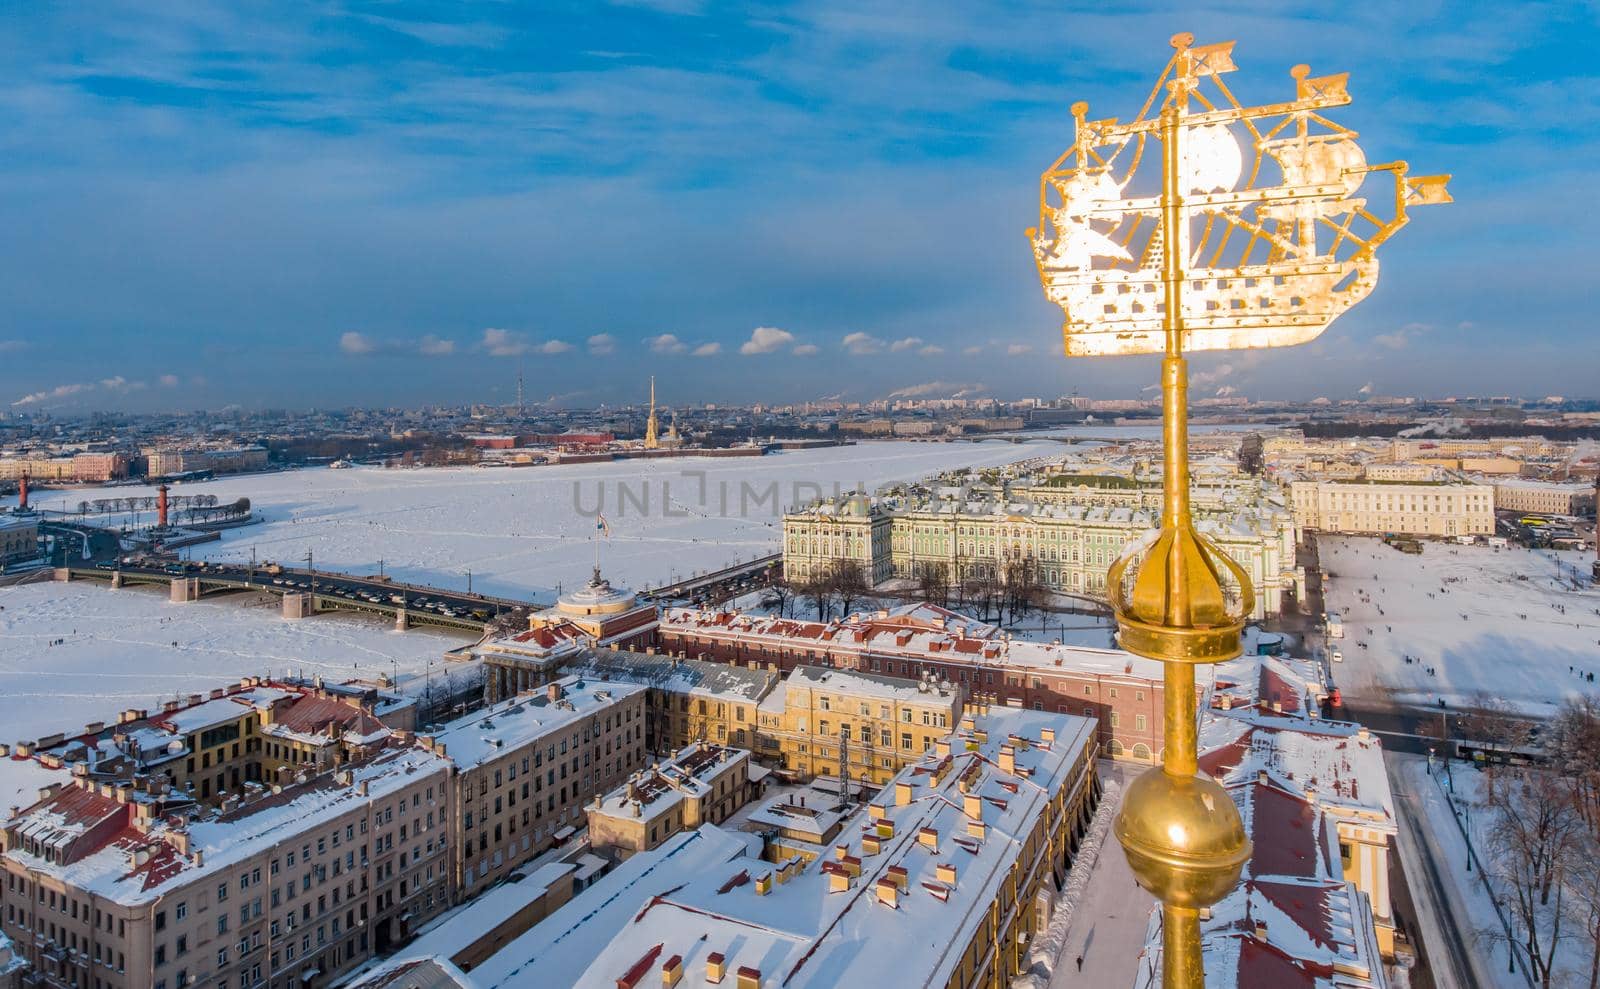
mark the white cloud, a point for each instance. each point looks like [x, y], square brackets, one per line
[905, 343]
[602, 345]
[806, 350]
[973, 350]
[503, 343]
[554, 347]
[931, 350]
[765, 340]
[120, 384]
[358, 344]
[667, 343]
[432, 346]
[1226, 390]
[60, 391]
[12, 346]
[169, 381]
[708, 350]
[1401, 338]
[1365, 389]
[1018, 349]
[861, 344]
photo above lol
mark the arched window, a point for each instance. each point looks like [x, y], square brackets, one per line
[1141, 752]
[1114, 747]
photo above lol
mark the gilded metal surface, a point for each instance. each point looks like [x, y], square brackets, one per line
[1278, 235]
[1220, 257]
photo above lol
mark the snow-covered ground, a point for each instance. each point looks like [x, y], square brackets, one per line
[134, 648]
[524, 531]
[1483, 620]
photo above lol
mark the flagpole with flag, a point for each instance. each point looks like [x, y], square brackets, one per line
[603, 527]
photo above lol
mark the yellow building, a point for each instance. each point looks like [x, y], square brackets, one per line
[1420, 508]
[703, 783]
[871, 725]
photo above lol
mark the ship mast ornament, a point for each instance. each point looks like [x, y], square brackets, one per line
[1203, 224]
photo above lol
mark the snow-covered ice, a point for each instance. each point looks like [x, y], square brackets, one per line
[1413, 605]
[525, 531]
[134, 648]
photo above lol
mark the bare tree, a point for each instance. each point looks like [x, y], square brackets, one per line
[1574, 750]
[819, 590]
[1584, 880]
[933, 584]
[1535, 835]
[1022, 589]
[781, 589]
[848, 583]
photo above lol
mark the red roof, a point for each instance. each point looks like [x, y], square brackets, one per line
[1287, 838]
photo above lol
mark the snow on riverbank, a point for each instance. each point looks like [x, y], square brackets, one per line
[1484, 620]
[524, 531]
[133, 648]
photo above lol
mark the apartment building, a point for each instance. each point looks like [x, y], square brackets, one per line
[686, 701]
[220, 746]
[919, 642]
[165, 461]
[842, 724]
[130, 884]
[75, 468]
[960, 854]
[524, 769]
[703, 783]
[1417, 508]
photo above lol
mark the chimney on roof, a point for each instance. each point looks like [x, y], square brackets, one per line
[888, 892]
[903, 792]
[972, 806]
[553, 691]
[716, 967]
[945, 872]
[1008, 759]
[749, 978]
[1261, 930]
[672, 971]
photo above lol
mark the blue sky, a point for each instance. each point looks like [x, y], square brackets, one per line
[398, 203]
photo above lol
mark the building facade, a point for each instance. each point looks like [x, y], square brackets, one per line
[111, 885]
[525, 769]
[703, 783]
[921, 642]
[858, 728]
[1437, 508]
[1062, 546]
[1544, 497]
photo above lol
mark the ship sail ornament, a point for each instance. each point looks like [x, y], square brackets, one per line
[1203, 224]
[1274, 234]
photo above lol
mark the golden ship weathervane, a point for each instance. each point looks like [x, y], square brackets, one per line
[1250, 231]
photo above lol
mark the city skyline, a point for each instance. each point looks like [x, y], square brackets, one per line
[393, 207]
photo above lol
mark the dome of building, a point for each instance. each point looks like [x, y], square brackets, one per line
[597, 597]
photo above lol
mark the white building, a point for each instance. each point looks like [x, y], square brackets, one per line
[1413, 508]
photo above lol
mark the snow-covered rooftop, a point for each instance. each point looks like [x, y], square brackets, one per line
[490, 732]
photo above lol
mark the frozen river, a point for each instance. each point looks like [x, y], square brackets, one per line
[524, 532]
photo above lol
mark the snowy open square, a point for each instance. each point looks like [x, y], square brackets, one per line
[1502, 622]
[524, 532]
[80, 652]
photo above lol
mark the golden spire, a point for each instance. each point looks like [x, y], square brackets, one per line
[1208, 264]
[651, 442]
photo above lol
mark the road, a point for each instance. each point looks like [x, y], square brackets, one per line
[721, 585]
[1439, 915]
